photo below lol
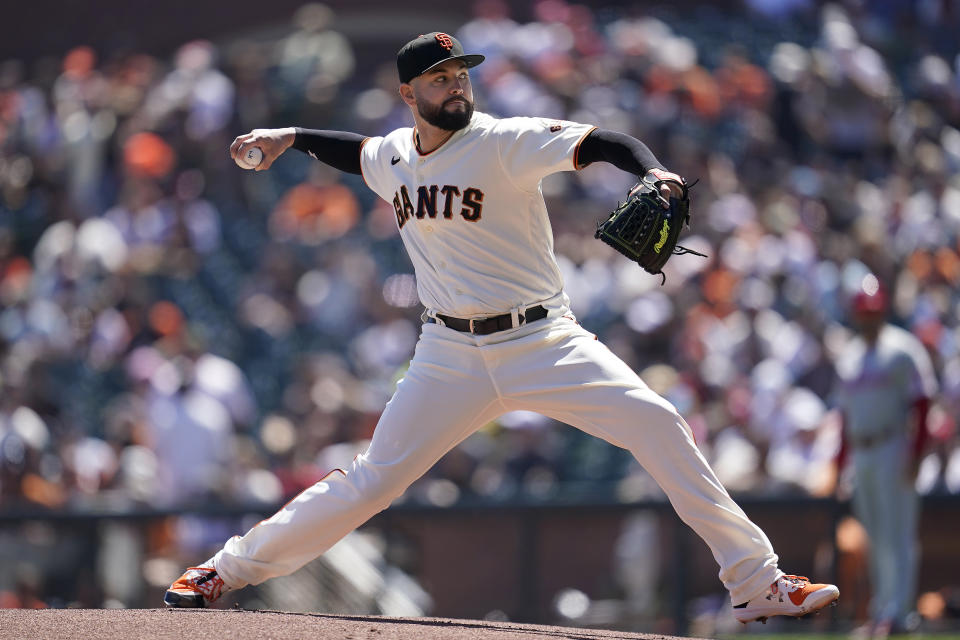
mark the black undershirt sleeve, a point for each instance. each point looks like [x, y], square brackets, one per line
[622, 151]
[339, 149]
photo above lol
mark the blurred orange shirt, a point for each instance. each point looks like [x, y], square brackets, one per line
[310, 210]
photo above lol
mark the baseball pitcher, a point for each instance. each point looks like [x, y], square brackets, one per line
[498, 334]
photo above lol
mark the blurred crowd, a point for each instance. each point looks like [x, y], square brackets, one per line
[174, 330]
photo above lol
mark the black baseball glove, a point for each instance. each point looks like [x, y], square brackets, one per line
[646, 227]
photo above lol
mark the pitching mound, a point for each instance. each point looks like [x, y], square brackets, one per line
[178, 624]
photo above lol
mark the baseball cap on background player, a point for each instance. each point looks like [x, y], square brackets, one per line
[427, 51]
[870, 299]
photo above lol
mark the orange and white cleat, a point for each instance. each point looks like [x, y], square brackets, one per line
[196, 588]
[792, 596]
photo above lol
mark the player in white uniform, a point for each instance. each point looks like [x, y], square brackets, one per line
[498, 334]
[886, 382]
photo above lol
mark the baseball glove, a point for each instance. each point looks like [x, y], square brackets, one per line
[646, 227]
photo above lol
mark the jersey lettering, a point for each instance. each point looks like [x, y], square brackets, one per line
[448, 192]
[472, 199]
[402, 206]
[471, 205]
[407, 205]
[427, 204]
[398, 209]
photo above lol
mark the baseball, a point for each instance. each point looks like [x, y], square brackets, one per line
[250, 159]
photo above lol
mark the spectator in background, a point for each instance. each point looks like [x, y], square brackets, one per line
[316, 210]
[194, 88]
[886, 382]
[312, 61]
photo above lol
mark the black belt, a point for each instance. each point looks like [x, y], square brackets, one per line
[486, 326]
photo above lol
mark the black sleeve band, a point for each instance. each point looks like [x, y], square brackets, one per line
[339, 149]
[622, 151]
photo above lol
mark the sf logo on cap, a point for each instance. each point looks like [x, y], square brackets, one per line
[445, 41]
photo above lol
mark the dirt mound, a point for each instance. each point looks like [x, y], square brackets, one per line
[201, 624]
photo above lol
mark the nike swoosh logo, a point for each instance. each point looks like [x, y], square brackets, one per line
[394, 159]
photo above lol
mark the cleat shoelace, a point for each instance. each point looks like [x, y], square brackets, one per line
[795, 582]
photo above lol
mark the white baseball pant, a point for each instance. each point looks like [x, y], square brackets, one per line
[459, 382]
[888, 506]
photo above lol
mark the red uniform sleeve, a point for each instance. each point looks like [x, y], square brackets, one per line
[921, 408]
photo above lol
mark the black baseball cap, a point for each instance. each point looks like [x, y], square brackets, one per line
[427, 51]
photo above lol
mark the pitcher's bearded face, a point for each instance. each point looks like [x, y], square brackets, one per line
[444, 96]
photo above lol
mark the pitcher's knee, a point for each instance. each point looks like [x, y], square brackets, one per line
[652, 406]
[374, 485]
[655, 413]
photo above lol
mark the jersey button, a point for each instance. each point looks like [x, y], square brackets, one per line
[428, 229]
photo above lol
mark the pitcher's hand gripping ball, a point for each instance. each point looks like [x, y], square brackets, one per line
[250, 159]
[647, 226]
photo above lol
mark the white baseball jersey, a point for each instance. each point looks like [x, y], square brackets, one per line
[878, 386]
[471, 213]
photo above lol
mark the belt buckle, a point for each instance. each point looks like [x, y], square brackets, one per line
[472, 320]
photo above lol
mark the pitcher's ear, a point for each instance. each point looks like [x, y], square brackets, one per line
[406, 94]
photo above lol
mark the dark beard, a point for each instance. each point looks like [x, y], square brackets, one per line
[446, 120]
